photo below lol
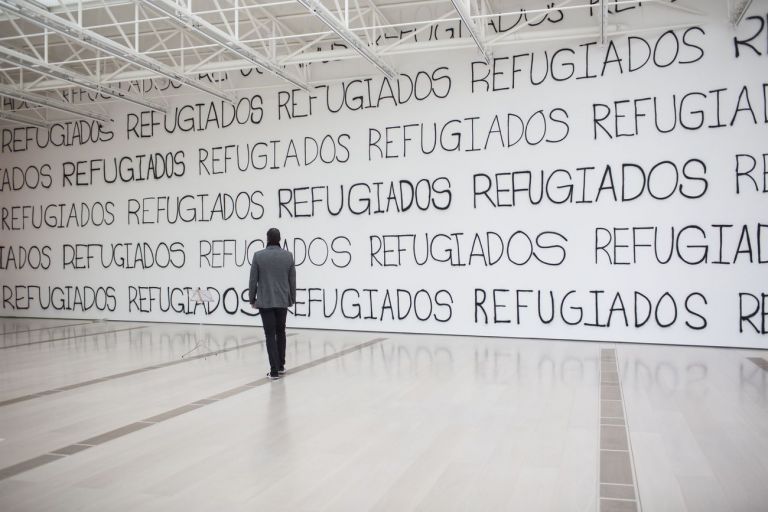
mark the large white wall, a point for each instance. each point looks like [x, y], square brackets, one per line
[653, 225]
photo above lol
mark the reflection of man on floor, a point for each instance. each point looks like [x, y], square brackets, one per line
[272, 289]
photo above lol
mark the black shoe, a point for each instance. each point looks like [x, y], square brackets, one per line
[281, 371]
[273, 377]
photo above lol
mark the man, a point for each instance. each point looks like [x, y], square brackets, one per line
[272, 289]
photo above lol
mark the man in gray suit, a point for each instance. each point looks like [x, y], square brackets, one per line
[272, 289]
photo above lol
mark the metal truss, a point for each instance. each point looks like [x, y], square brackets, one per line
[24, 121]
[342, 30]
[102, 45]
[463, 7]
[36, 99]
[190, 21]
[39, 66]
[75, 31]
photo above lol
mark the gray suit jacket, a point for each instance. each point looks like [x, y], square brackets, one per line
[273, 278]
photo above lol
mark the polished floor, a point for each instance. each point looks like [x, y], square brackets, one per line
[125, 416]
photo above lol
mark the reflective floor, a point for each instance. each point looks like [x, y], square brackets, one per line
[119, 416]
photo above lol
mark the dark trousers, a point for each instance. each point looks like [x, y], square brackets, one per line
[273, 320]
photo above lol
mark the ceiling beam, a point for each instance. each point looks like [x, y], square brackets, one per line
[45, 19]
[739, 9]
[603, 22]
[51, 70]
[36, 99]
[464, 9]
[190, 21]
[336, 25]
[15, 118]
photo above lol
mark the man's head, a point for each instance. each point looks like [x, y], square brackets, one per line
[273, 236]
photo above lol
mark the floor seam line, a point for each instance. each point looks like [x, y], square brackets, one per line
[146, 424]
[127, 373]
[621, 462]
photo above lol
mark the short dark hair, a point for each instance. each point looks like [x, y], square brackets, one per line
[273, 236]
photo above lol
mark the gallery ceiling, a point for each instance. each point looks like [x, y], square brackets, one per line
[49, 46]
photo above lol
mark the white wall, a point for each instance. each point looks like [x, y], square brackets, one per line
[712, 291]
